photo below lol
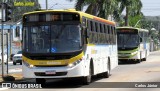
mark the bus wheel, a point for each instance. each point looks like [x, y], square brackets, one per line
[41, 81]
[144, 59]
[87, 79]
[138, 60]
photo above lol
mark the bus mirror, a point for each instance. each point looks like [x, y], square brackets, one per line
[87, 33]
[83, 27]
[140, 39]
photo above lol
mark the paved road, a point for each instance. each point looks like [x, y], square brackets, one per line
[148, 71]
[11, 68]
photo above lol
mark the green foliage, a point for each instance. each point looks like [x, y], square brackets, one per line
[135, 21]
[131, 7]
[101, 8]
[151, 23]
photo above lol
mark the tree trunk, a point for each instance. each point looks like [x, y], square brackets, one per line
[126, 18]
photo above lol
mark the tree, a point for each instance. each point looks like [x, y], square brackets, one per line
[131, 7]
[101, 8]
[109, 8]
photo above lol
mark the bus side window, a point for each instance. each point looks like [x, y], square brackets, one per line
[94, 38]
[99, 33]
[113, 34]
[101, 28]
[89, 31]
[103, 33]
[90, 26]
[96, 32]
[96, 28]
[109, 34]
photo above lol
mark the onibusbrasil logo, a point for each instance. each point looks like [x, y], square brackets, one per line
[21, 86]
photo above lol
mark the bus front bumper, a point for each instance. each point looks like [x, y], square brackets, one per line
[53, 72]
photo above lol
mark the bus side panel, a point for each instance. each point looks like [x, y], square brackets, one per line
[114, 57]
[99, 55]
[144, 50]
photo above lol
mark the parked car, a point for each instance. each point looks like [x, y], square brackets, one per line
[5, 58]
[17, 58]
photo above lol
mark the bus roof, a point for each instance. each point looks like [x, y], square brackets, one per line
[73, 10]
[126, 27]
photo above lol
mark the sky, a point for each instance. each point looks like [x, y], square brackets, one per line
[150, 7]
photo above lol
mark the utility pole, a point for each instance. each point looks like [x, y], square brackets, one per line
[46, 4]
[7, 50]
[10, 42]
[2, 45]
[5, 15]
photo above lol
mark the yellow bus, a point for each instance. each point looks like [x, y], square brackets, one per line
[67, 44]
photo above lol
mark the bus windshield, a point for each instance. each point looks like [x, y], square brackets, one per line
[52, 39]
[128, 40]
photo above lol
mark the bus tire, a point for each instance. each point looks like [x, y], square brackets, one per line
[107, 73]
[41, 81]
[144, 59]
[87, 79]
[138, 60]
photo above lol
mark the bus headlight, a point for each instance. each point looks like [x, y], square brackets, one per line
[28, 65]
[134, 53]
[74, 63]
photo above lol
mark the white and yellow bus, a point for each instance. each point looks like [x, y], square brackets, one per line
[133, 44]
[67, 44]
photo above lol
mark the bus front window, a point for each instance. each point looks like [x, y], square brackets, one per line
[52, 39]
[65, 38]
[39, 39]
[128, 40]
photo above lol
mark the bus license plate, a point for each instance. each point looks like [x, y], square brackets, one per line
[50, 72]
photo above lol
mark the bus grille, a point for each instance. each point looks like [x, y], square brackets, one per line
[57, 74]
